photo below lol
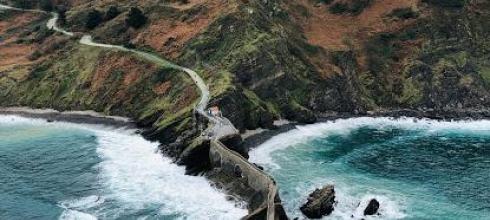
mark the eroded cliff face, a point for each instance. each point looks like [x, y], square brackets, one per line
[263, 60]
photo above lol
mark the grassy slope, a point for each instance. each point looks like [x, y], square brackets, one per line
[76, 77]
[260, 66]
[438, 62]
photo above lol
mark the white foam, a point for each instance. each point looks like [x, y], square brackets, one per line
[72, 208]
[262, 154]
[136, 176]
[352, 207]
[69, 214]
[352, 199]
[83, 203]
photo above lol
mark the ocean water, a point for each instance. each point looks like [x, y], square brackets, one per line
[416, 169]
[69, 171]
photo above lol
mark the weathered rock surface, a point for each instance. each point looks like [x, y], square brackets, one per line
[372, 207]
[320, 202]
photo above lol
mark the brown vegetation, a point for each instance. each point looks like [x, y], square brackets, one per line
[340, 31]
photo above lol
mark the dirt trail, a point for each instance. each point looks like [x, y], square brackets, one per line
[221, 126]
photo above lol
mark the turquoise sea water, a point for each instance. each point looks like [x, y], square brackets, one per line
[68, 171]
[417, 169]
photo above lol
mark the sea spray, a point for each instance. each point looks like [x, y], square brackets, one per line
[415, 168]
[98, 172]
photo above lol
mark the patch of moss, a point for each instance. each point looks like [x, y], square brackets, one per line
[412, 93]
[257, 102]
[485, 74]
[220, 82]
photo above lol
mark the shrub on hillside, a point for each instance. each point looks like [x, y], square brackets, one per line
[111, 13]
[136, 18]
[325, 1]
[23, 3]
[93, 19]
[404, 13]
[447, 3]
[357, 6]
[46, 5]
[339, 8]
[61, 10]
[354, 7]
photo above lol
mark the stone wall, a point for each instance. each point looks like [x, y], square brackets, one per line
[265, 189]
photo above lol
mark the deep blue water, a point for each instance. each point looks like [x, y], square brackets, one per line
[416, 169]
[40, 167]
[67, 171]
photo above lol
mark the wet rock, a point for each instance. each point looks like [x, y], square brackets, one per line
[195, 157]
[372, 207]
[320, 202]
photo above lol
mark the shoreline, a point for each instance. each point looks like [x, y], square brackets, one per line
[255, 140]
[78, 117]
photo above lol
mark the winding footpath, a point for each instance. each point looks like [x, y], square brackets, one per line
[222, 126]
[219, 126]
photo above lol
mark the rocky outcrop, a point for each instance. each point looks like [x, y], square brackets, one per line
[320, 203]
[244, 112]
[372, 207]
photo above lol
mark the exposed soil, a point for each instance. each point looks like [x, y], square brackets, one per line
[339, 32]
[13, 54]
[131, 68]
[169, 36]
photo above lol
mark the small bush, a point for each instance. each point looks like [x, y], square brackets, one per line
[61, 10]
[358, 6]
[42, 34]
[111, 13]
[325, 1]
[35, 55]
[136, 18]
[404, 13]
[129, 45]
[355, 7]
[23, 4]
[339, 8]
[447, 3]
[46, 5]
[94, 18]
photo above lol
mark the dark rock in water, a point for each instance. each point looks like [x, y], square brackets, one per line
[372, 207]
[320, 202]
[50, 120]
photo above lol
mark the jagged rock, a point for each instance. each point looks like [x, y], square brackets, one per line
[372, 207]
[320, 202]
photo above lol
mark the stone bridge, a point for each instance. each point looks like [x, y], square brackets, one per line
[264, 187]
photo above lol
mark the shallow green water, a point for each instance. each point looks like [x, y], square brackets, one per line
[416, 169]
[68, 171]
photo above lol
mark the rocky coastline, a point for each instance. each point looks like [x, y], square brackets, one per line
[234, 187]
[237, 188]
[259, 138]
[79, 117]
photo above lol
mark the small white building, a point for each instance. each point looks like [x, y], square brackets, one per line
[214, 111]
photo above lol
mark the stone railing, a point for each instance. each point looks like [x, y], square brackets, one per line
[232, 163]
